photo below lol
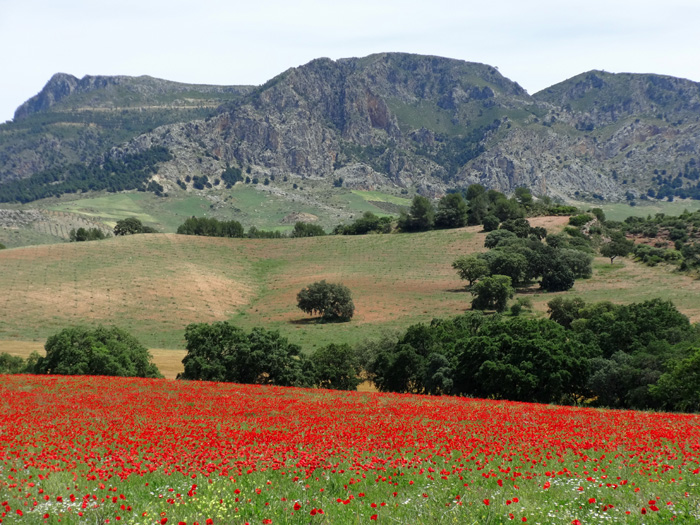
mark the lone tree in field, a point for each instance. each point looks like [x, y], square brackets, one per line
[131, 226]
[332, 301]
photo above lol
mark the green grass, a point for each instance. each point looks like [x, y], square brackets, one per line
[620, 211]
[110, 208]
[382, 197]
[246, 203]
[15, 237]
[154, 285]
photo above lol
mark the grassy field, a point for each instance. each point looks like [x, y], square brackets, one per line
[620, 211]
[248, 204]
[154, 285]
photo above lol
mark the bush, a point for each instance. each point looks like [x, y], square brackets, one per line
[332, 301]
[580, 220]
[98, 351]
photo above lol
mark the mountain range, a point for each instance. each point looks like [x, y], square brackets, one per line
[391, 121]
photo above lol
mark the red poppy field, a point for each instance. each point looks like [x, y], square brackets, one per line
[116, 450]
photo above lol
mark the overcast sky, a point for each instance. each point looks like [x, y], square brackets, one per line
[536, 43]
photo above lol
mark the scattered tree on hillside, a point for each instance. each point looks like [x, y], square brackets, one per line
[618, 246]
[97, 351]
[492, 293]
[368, 223]
[14, 364]
[131, 226]
[490, 223]
[471, 268]
[332, 301]
[211, 227]
[421, 216]
[451, 212]
[679, 388]
[507, 262]
[304, 229]
[565, 310]
[82, 234]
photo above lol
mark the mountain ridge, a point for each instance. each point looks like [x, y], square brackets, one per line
[403, 122]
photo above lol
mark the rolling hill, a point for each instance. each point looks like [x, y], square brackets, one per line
[154, 285]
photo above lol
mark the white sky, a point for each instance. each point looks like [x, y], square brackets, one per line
[536, 43]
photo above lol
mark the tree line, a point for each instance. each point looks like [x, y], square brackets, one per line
[130, 172]
[638, 356]
[211, 227]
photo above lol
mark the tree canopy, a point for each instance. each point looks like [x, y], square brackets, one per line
[492, 293]
[107, 351]
[332, 301]
[224, 352]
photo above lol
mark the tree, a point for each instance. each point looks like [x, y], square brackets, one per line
[520, 227]
[679, 388]
[564, 311]
[474, 191]
[520, 359]
[557, 277]
[510, 263]
[2, 246]
[470, 268]
[492, 293]
[14, 364]
[131, 226]
[578, 262]
[304, 229]
[618, 246]
[223, 352]
[421, 216]
[524, 197]
[506, 209]
[490, 223]
[337, 367]
[332, 301]
[368, 223]
[497, 237]
[98, 351]
[451, 212]
[599, 214]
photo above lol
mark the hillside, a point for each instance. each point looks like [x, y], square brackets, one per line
[154, 285]
[394, 122]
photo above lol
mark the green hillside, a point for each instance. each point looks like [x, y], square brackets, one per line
[154, 285]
